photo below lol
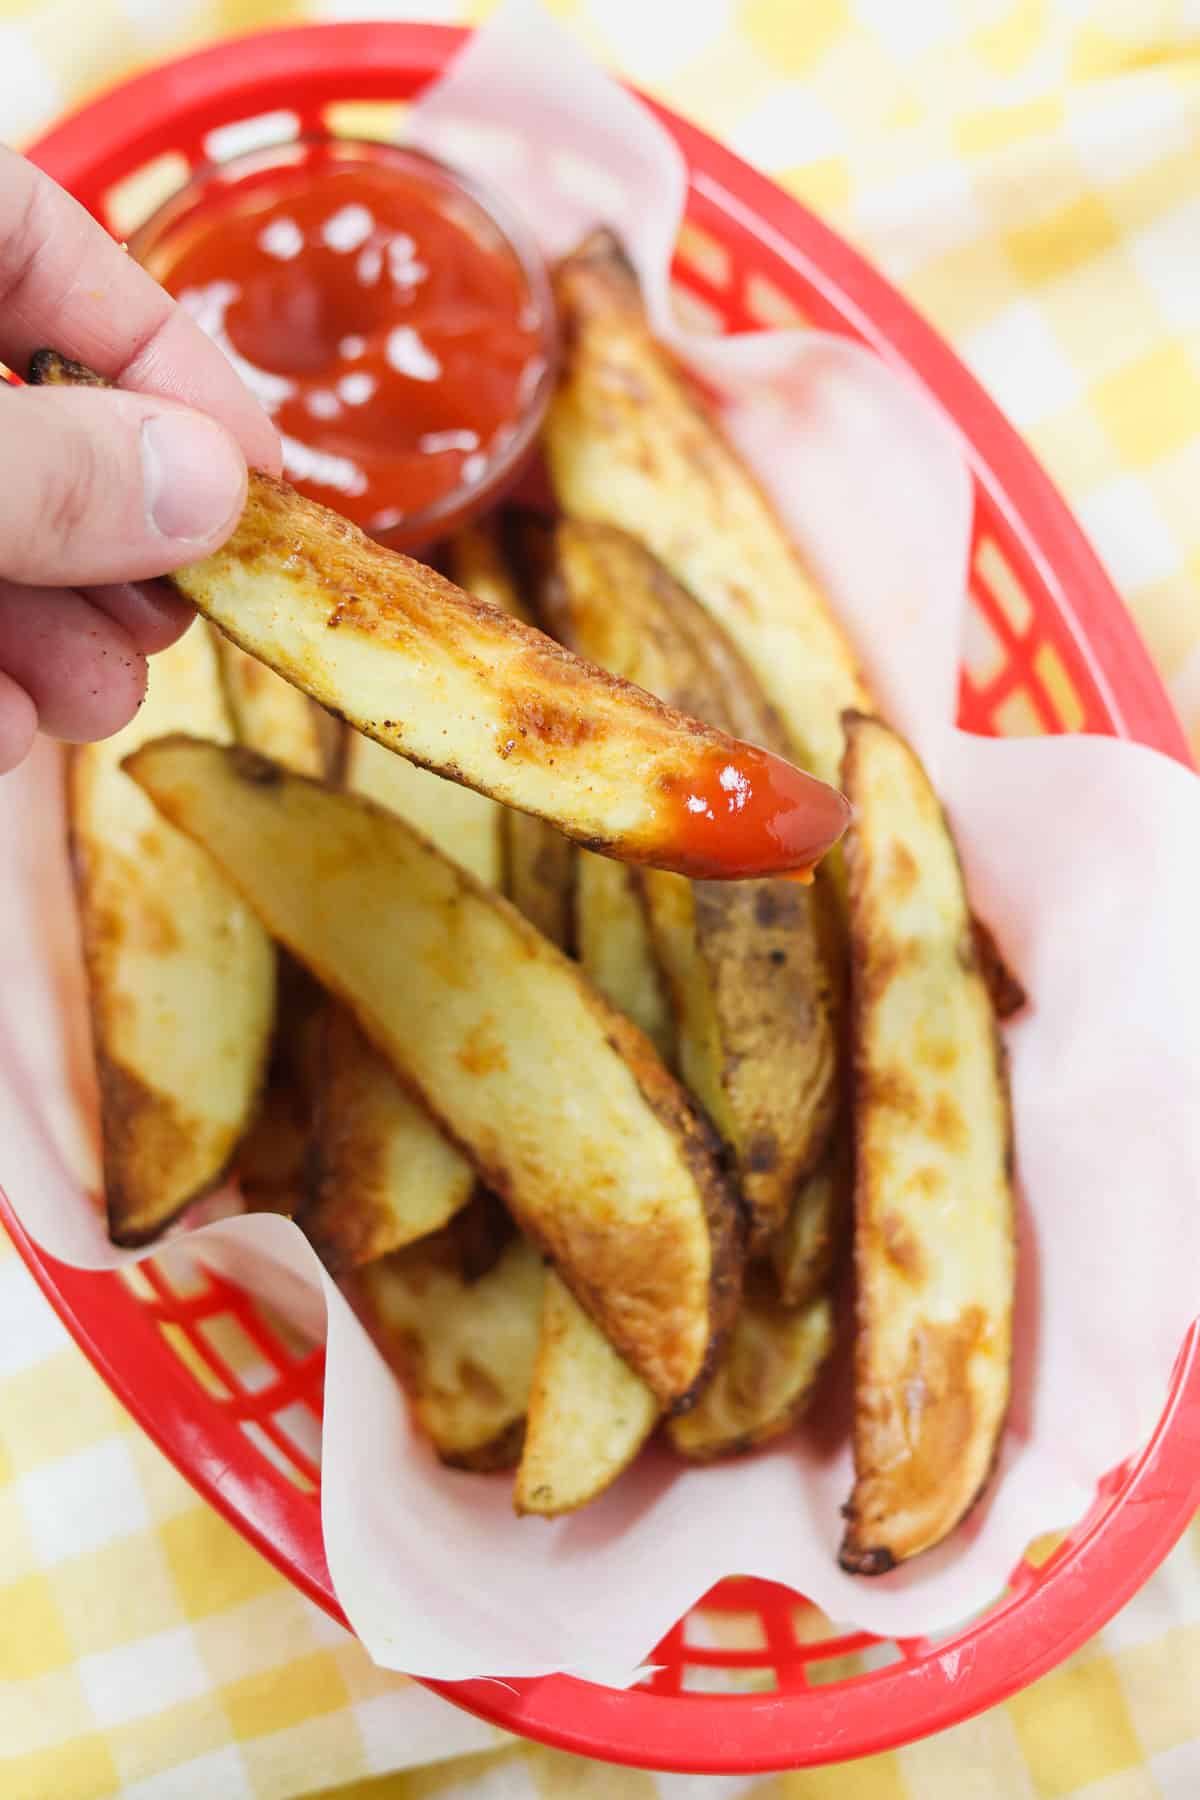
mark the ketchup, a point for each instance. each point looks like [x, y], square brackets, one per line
[382, 319]
[748, 812]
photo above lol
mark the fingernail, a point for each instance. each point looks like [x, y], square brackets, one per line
[194, 478]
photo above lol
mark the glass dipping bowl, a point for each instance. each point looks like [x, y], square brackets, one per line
[250, 181]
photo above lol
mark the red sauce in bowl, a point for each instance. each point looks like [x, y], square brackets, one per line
[397, 337]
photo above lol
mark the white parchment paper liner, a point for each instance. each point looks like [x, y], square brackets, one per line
[1083, 852]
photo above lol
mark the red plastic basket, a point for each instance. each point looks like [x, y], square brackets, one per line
[754, 1678]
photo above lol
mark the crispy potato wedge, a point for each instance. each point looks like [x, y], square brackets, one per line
[463, 1349]
[933, 1234]
[463, 824]
[765, 1377]
[272, 1158]
[803, 1250]
[540, 876]
[181, 975]
[629, 443]
[539, 861]
[499, 1034]
[742, 961]
[612, 940]
[458, 687]
[268, 713]
[381, 1173]
[589, 1414]
[462, 689]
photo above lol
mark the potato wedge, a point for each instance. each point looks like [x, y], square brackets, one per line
[402, 654]
[742, 961]
[629, 443]
[765, 1377]
[463, 824]
[612, 940]
[381, 1174]
[539, 862]
[589, 1414]
[540, 875]
[268, 713]
[272, 1158]
[803, 1250]
[499, 1034]
[181, 975]
[462, 1348]
[933, 1234]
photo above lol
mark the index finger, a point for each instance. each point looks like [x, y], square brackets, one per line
[65, 282]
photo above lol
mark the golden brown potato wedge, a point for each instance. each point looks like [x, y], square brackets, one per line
[268, 713]
[540, 876]
[499, 1034]
[742, 961]
[765, 1377]
[612, 940]
[463, 824]
[272, 1158]
[382, 1174]
[803, 1250]
[466, 691]
[933, 1233]
[458, 687]
[630, 443]
[463, 1349]
[181, 975]
[589, 1414]
[539, 862]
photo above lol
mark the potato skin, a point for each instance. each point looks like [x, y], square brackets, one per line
[497, 1033]
[934, 1232]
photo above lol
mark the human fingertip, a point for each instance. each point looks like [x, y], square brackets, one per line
[18, 723]
[153, 614]
[194, 477]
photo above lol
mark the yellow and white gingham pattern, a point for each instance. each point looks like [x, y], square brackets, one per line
[1028, 171]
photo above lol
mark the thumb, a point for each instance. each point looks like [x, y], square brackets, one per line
[100, 486]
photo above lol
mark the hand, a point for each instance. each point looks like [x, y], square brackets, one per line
[100, 492]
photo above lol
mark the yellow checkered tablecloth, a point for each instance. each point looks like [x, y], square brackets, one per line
[1029, 172]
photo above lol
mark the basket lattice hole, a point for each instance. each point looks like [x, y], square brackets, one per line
[983, 653]
[724, 1631]
[239, 1353]
[996, 572]
[197, 1366]
[302, 1427]
[705, 254]
[277, 1456]
[769, 306]
[135, 1280]
[883, 1655]
[258, 133]
[825, 1671]
[181, 1272]
[1017, 716]
[811, 1626]
[129, 202]
[692, 313]
[1059, 688]
[1044, 1548]
[713, 1678]
[381, 121]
